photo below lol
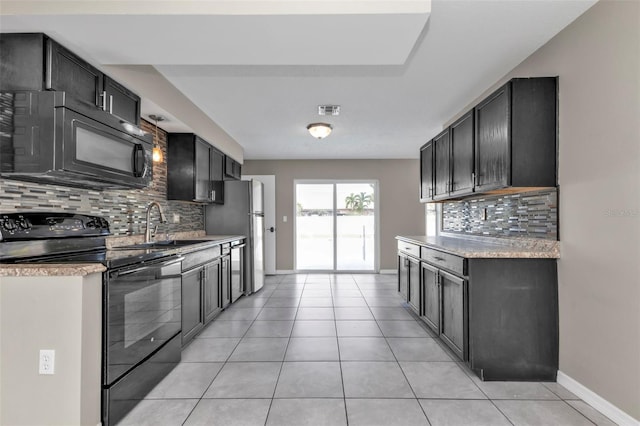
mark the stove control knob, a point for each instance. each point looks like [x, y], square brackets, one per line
[23, 223]
[9, 225]
[91, 224]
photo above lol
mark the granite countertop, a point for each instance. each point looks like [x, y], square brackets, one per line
[487, 247]
[82, 269]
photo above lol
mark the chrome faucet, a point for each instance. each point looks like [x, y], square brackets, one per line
[147, 232]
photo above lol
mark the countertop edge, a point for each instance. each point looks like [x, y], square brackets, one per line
[50, 269]
[83, 269]
[491, 250]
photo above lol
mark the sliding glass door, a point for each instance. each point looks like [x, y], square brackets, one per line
[335, 228]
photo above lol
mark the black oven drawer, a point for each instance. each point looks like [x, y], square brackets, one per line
[119, 398]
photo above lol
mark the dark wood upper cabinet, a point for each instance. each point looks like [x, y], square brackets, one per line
[121, 101]
[67, 72]
[516, 132]
[462, 158]
[232, 169]
[441, 165]
[34, 61]
[493, 134]
[217, 165]
[194, 169]
[509, 140]
[426, 172]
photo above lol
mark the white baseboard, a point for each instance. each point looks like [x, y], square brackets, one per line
[388, 271]
[596, 401]
[285, 271]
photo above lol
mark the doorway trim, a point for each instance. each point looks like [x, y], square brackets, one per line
[376, 210]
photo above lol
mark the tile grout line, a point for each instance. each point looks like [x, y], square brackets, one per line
[335, 324]
[275, 388]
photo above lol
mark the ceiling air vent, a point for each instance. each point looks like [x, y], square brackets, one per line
[328, 109]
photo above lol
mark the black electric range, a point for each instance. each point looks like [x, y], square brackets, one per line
[141, 306]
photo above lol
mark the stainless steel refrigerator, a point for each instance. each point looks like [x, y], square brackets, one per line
[242, 214]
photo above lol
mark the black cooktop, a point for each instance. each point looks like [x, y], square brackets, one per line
[109, 258]
[60, 237]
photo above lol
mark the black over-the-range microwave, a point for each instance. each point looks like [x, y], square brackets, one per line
[48, 137]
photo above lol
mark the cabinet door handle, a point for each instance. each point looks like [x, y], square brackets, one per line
[473, 178]
[103, 100]
[213, 194]
[110, 104]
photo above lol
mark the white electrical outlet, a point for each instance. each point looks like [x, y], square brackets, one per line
[176, 218]
[47, 361]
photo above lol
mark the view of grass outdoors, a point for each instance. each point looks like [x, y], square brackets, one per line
[346, 228]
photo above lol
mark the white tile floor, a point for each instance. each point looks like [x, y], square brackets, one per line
[339, 350]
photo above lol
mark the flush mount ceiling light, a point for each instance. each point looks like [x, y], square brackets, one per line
[319, 130]
[157, 152]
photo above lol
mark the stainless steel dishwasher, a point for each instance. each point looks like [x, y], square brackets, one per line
[237, 270]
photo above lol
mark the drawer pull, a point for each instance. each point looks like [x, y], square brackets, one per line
[442, 259]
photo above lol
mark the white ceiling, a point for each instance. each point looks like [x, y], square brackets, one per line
[260, 76]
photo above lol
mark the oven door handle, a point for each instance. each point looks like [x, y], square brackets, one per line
[154, 265]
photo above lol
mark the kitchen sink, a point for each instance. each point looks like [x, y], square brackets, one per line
[161, 244]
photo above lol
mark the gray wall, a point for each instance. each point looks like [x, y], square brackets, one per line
[597, 59]
[400, 210]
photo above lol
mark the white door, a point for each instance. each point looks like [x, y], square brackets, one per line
[269, 182]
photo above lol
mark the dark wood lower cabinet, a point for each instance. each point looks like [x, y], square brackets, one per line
[498, 315]
[431, 300]
[453, 322]
[403, 276]
[225, 281]
[192, 319]
[513, 319]
[415, 291]
[210, 290]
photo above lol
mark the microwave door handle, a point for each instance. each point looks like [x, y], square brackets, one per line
[138, 157]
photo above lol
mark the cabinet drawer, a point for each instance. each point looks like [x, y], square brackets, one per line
[200, 257]
[412, 249]
[455, 264]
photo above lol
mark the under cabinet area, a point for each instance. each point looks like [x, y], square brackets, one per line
[500, 315]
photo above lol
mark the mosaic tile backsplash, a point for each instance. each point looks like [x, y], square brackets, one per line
[528, 215]
[124, 209]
